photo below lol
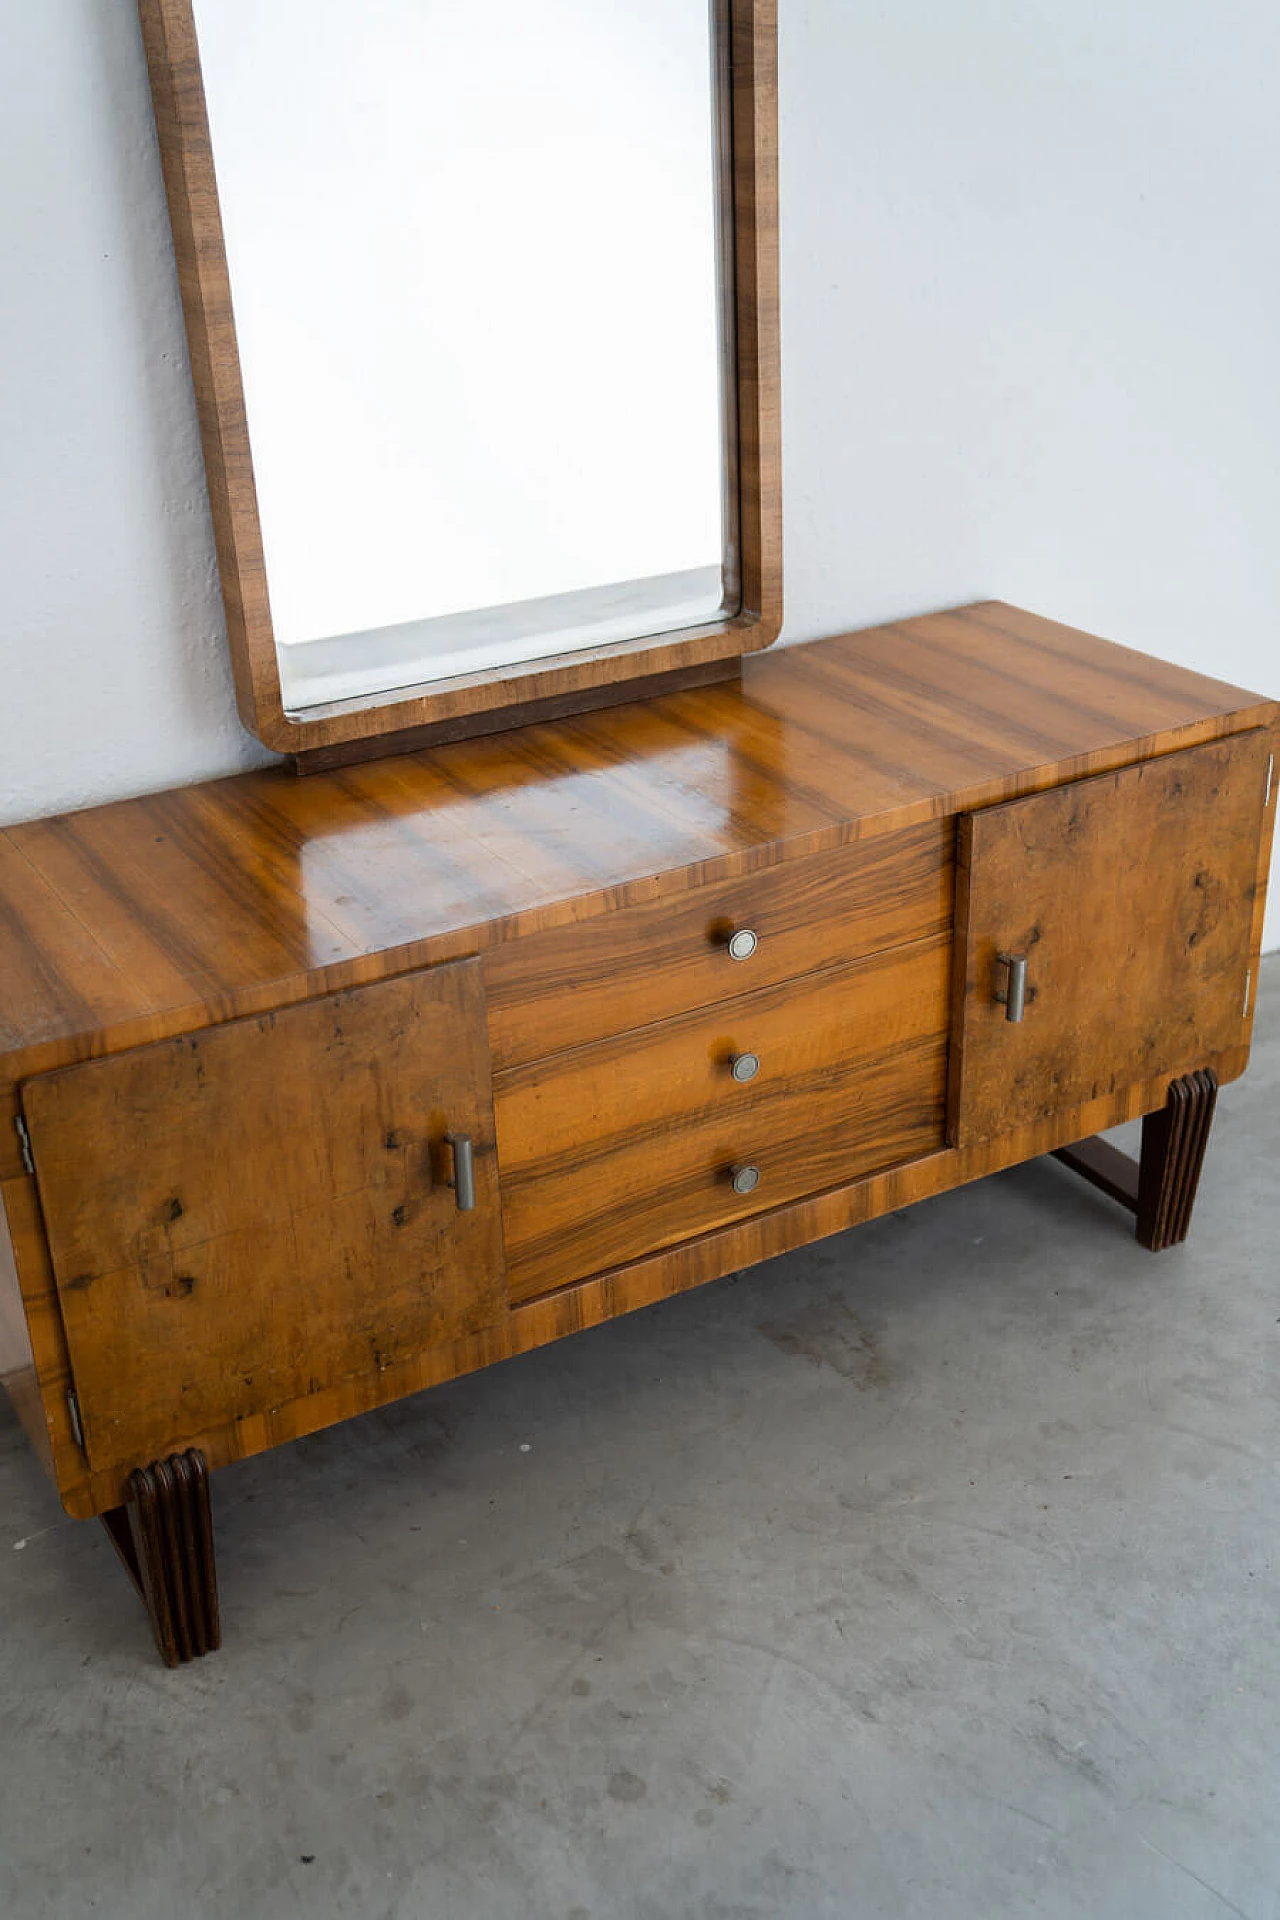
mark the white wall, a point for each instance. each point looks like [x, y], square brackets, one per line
[1031, 274]
[1031, 278]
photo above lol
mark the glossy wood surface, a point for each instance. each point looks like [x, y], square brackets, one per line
[186, 155]
[711, 1256]
[612, 1151]
[149, 919]
[1131, 898]
[260, 1210]
[145, 918]
[648, 962]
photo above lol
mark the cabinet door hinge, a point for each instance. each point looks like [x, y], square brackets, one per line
[77, 1424]
[24, 1145]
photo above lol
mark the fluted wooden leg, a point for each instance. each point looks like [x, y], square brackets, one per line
[1160, 1187]
[164, 1537]
[1174, 1142]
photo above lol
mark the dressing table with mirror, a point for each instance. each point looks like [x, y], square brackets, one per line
[585, 948]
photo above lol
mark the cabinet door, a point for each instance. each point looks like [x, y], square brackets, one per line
[262, 1209]
[1131, 898]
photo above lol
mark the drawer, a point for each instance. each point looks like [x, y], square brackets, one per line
[575, 984]
[615, 1150]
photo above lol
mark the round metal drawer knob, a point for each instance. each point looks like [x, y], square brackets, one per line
[745, 1179]
[744, 1066]
[742, 944]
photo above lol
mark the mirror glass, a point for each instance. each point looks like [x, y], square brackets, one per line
[477, 268]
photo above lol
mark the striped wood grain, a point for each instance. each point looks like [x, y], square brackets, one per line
[659, 958]
[614, 1150]
[151, 918]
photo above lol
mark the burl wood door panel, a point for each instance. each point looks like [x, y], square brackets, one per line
[1131, 896]
[262, 1209]
[612, 1151]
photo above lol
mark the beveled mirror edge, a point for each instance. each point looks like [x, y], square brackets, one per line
[626, 669]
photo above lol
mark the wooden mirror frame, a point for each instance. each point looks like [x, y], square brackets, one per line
[498, 698]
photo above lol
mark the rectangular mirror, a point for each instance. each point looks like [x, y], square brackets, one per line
[482, 314]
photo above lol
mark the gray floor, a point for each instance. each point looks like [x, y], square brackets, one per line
[927, 1572]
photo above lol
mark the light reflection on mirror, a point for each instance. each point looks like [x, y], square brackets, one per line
[475, 262]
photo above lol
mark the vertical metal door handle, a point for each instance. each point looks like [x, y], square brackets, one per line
[464, 1171]
[1014, 992]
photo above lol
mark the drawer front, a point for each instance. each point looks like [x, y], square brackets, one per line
[615, 1150]
[576, 984]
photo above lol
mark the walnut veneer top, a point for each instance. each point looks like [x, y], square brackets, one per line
[145, 917]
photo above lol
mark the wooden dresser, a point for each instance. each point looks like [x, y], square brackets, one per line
[319, 1091]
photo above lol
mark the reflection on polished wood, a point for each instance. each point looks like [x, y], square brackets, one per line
[594, 869]
[233, 895]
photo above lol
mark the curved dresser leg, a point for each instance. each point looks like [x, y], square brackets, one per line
[164, 1536]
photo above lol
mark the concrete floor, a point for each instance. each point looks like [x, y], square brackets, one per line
[926, 1572]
